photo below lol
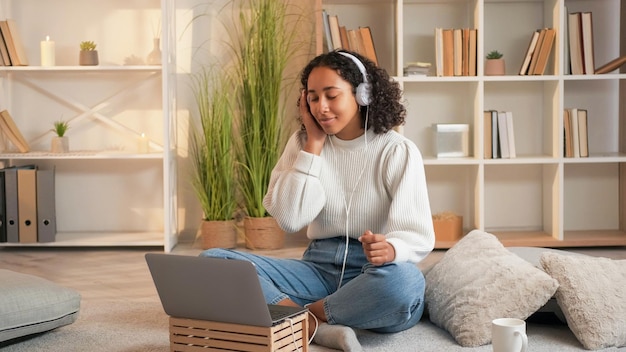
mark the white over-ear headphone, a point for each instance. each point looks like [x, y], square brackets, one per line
[363, 90]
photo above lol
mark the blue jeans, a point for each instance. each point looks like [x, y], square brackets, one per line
[387, 298]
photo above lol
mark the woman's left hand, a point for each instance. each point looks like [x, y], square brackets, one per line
[377, 250]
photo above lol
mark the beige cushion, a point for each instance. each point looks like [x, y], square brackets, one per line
[479, 280]
[592, 295]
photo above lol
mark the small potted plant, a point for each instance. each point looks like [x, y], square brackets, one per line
[494, 66]
[88, 54]
[60, 143]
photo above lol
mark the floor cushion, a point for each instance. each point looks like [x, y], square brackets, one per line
[478, 280]
[30, 304]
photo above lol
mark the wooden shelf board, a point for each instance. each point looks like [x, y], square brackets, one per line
[589, 238]
[98, 239]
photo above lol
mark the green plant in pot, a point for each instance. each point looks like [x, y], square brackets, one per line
[60, 142]
[88, 55]
[264, 42]
[494, 66]
[213, 159]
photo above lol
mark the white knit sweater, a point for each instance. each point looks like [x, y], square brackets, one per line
[378, 178]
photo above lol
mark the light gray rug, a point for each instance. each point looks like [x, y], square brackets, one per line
[127, 326]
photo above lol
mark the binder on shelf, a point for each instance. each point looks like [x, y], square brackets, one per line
[46, 209]
[10, 204]
[27, 204]
[3, 214]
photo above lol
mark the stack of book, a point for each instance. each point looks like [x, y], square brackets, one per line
[336, 37]
[580, 43]
[499, 135]
[575, 135]
[455, 51]
[12, 52]
[539, 49]
[27, 205]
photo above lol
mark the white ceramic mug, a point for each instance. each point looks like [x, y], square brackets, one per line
[509, 335]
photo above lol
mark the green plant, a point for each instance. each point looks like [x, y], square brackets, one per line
[494, 54]
[264, 44]
[211, 148]
[60, 127]
[87, 45]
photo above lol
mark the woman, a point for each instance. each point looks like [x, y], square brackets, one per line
[360, 188]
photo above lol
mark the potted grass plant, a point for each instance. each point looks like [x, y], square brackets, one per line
[213, 159]
[265, 41]
[60, 142]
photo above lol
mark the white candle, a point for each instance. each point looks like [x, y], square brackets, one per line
[47, 52]
[143, 142]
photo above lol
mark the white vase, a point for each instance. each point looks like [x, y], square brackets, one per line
[154, 57]
[60, 145]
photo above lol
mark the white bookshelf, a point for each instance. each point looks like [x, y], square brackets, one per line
[539, 198]
[107, 192]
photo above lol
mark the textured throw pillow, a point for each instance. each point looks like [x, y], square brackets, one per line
[478, 280]
[592, 295]
[30, 304]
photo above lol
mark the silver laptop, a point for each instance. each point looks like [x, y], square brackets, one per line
[214, 289]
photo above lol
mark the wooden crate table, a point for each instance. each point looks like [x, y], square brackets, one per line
[190, 335]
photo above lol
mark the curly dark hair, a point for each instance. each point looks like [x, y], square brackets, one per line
[386, 110]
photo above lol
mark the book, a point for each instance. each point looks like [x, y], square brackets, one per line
[439, 52]
[448, 52]
[535, 55]
[587, 36]
[503, 135]
[529, 53]
[488, 153]
[369, 50]
[575, 43]
[335, 34]
[510, 134]
[458, 52]
[473, 42]
[573, 118]
[8, 126]
[465, 52]
[611, 65]
[495, 136]
[582, 133]
[4, 51]
[343, 33]
[544, 51]
[13, 40]
[327, 36]
[568, 144]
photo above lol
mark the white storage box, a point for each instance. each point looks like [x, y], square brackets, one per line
[451, 140]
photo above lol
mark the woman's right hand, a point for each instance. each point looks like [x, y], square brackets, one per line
[315, 134]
